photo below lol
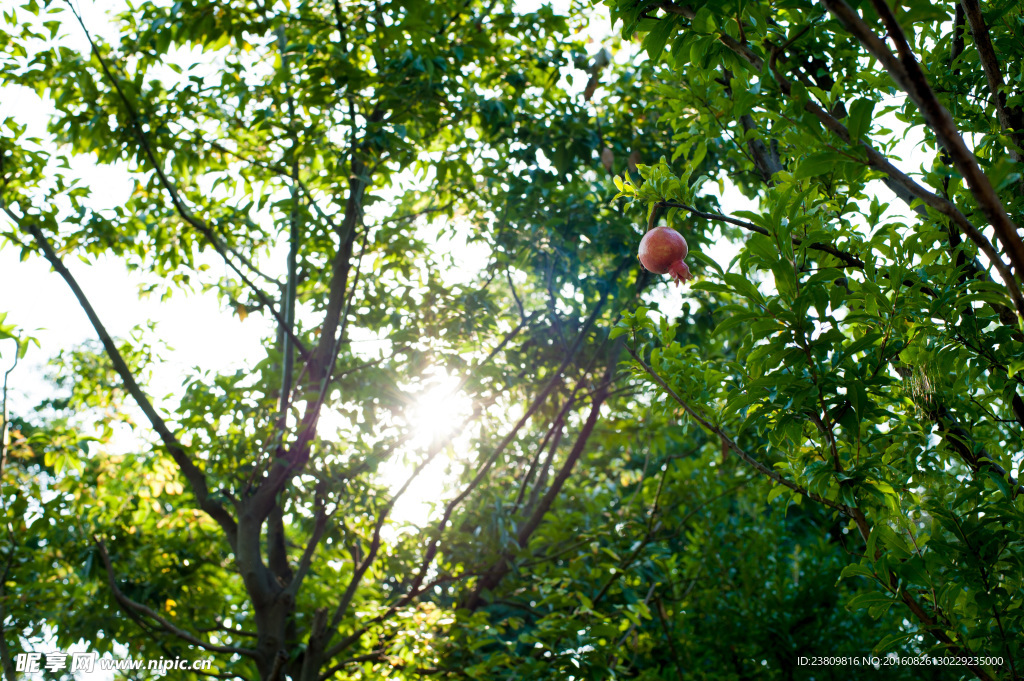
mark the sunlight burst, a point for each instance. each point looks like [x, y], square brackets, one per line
[437, 411]
[435, 414]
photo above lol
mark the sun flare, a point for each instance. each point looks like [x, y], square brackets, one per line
[434, 415]
[437, 411]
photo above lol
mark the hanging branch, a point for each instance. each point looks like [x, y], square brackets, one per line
[907, 74]
[165, 624]
[179, 205]
[192, 473]
[908, 189]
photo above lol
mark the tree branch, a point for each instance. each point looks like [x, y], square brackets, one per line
[371, 555]
[907, 74]
[908, 190]
[1010, 119]
[902, 185]
[196, 478]
[287, 352]
[936, 629]
[497, 572]
[129, 604]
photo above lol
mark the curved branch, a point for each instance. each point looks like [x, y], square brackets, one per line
[196, 478]
[907, 74]
[908, 190]
[167, 626]
[1010, 119]
[731, 444]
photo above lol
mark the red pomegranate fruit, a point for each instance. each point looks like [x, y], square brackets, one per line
[662, 251]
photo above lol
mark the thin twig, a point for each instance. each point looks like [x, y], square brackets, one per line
[729, 442]
[153, 615]
[192, 473]
[850, 260]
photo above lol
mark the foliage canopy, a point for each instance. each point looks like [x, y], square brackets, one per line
[817, 454]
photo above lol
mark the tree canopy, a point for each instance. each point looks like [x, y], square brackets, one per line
[810, 452]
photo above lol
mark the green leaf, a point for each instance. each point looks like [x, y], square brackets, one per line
[821, 163]
[857, 570]
[869, 599]
[654, 42]
[860, 118]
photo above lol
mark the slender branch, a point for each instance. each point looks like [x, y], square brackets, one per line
[901, 184]
[660, 609]
[5, 652]
[227, 630]
[515, 296]
[907, 74]
[554, 431]
[176, 200]
[196, 478]
[977, 458]
[4, 419]
[493, 575]
[765, 160]
[134, 606]
[935, 628]
[417, 214]
[287, 353]
[985, 581]
[729, 442]
[1010, 119]
[531, 525]
[958, 39]
[368, 657]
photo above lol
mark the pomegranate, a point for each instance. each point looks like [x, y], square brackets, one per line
[662, 251]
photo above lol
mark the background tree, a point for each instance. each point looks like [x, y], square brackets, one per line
[839, 402]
